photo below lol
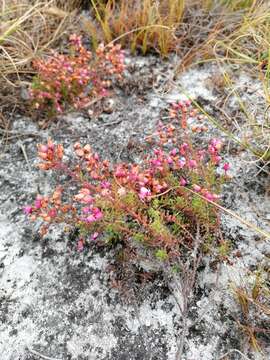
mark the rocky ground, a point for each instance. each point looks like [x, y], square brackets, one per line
[57, 303]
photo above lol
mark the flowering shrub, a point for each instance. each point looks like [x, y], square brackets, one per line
[159, 204]
[76, 78]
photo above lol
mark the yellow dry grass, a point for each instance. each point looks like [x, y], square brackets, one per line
[27, 30]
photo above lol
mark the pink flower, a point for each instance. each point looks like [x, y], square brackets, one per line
[80, 245]
[183, 182]
[216, 143]
[119, 172]
[38, 203]
[169, 160]
[156, 162]
[86, 210]
[144, 193]
[43, 148]
[157, 152]
[173, 152]
[94, 236]
[58, 108]
[122, 191]
[226, 167]
[196, 188]
[104, 92]
[158, 188]
[105, 192]
[182, 162]
[183, 148]
[192, 164]
[105, 185]
[209, 196]
[75, 40]
[84, 196]
[88, 199]
[216, 159]
[52, 213]
[215, 197]
[211, 149]
[50, 145]
[201, 154]
[143, 181]
[27, 210]
[99, 215]
[90, 219]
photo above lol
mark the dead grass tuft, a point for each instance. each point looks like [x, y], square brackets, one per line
[27, 31]
[187, 27]
[247, 46]
[253, 300]
[143, 25]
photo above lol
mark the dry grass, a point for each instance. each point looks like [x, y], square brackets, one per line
[253, 300]
[27, 31]
[165, 26]
[249, 42]
[143, 24]
[187, 27]
[247, 47]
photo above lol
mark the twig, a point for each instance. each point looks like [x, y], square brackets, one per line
[187, 291]
[15, 133]
[112, 123]
[34, 352]
[232, 351]
[25, 155]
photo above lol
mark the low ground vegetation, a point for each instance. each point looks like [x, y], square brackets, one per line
[166, 207]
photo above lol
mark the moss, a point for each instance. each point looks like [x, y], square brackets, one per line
[208, 243]
[130, 199]
[139, 237]
[224, 248]
[157, 225]
[161, 254]
[180, 202]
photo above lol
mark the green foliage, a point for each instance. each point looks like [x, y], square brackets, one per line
[139, 237]
[180, 202]
[130, 199]
[153, 204]
[157, 225]
[112, 234]
[161, 254]
[200, 207]
[176, 269]
[177, 226]
[224, 248]
[208, 243]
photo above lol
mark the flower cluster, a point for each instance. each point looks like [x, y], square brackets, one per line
[76, 78]
[160, 201]
[51, 154]
[183, 110]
